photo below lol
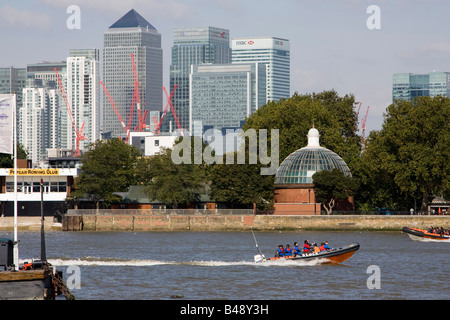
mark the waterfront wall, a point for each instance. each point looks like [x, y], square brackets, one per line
[92, 222]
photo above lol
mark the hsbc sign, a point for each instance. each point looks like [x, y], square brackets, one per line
[244, 42]
[261, 43]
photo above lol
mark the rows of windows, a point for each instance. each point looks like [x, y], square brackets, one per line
[35, 186]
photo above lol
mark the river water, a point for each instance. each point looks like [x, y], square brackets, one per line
[219, 265]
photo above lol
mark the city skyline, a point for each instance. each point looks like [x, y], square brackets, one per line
[331, 44]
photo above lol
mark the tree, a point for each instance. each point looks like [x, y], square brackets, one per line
[6, 160]
[241, 185]
[108, 166]
[332, 115]
[173, 184]
[409, 157]
[333, 185]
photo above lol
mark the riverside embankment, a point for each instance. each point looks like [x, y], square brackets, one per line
[172, 222]
[90, 222]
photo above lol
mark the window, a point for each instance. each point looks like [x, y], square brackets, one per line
[62, 186]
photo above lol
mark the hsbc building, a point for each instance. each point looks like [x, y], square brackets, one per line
[275, 53]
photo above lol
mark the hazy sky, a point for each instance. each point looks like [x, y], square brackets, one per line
[331, 45]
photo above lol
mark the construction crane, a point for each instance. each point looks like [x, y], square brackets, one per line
[126, 128]
[169, 103]
[169, 100]
[135, 99]
[363, 126]
[78, 132]
[155, 123]
[141, 117]
[357, 112]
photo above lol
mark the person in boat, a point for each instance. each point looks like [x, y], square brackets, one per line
[288, 251]
[306, 247]
[326, 246]
[280, 251]
[316, 248]
[297, 250]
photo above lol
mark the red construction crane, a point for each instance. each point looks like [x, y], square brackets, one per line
[155, 123]
[141, 117]
[169, 103]
[124, 127]
[363, 127]
[169, 100]
[78, 132]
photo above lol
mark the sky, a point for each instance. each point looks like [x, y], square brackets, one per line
[332, 47]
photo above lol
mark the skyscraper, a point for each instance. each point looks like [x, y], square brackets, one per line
[83, 95]
[275, 53]
[193, 46]
[39, 119]
[407, 86]
[43, 117]
[224, 95]
[12, 80]
[131, 34]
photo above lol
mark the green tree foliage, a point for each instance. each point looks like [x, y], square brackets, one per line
[241, 185]
[6, 160]
[332, 115]
[409, 158]
[108, 166]
[175, 185]
[333, 185]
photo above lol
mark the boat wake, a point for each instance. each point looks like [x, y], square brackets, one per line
[422, 239]
[115, 262]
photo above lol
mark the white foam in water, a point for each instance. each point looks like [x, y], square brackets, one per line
[112, 262]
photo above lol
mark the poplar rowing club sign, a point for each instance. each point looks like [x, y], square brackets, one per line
[35, 172]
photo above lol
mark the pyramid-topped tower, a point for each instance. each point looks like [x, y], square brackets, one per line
[132, 19]
[131, 35]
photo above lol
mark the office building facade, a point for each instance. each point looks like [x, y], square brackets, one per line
[224, 95]
[193, 46]
[275, 54]
[131, 34]
[12, 80]
[408, 86]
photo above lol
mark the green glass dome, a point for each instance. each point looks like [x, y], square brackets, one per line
[300, 165]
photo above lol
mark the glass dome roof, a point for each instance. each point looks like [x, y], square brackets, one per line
[300, 165]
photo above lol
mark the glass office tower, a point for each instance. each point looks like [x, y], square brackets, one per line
[131, 34]
[275, 53]
[13, 80]
[224, 95]
[407, 86]
[193, 46]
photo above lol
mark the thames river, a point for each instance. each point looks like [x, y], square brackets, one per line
[220, 265]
